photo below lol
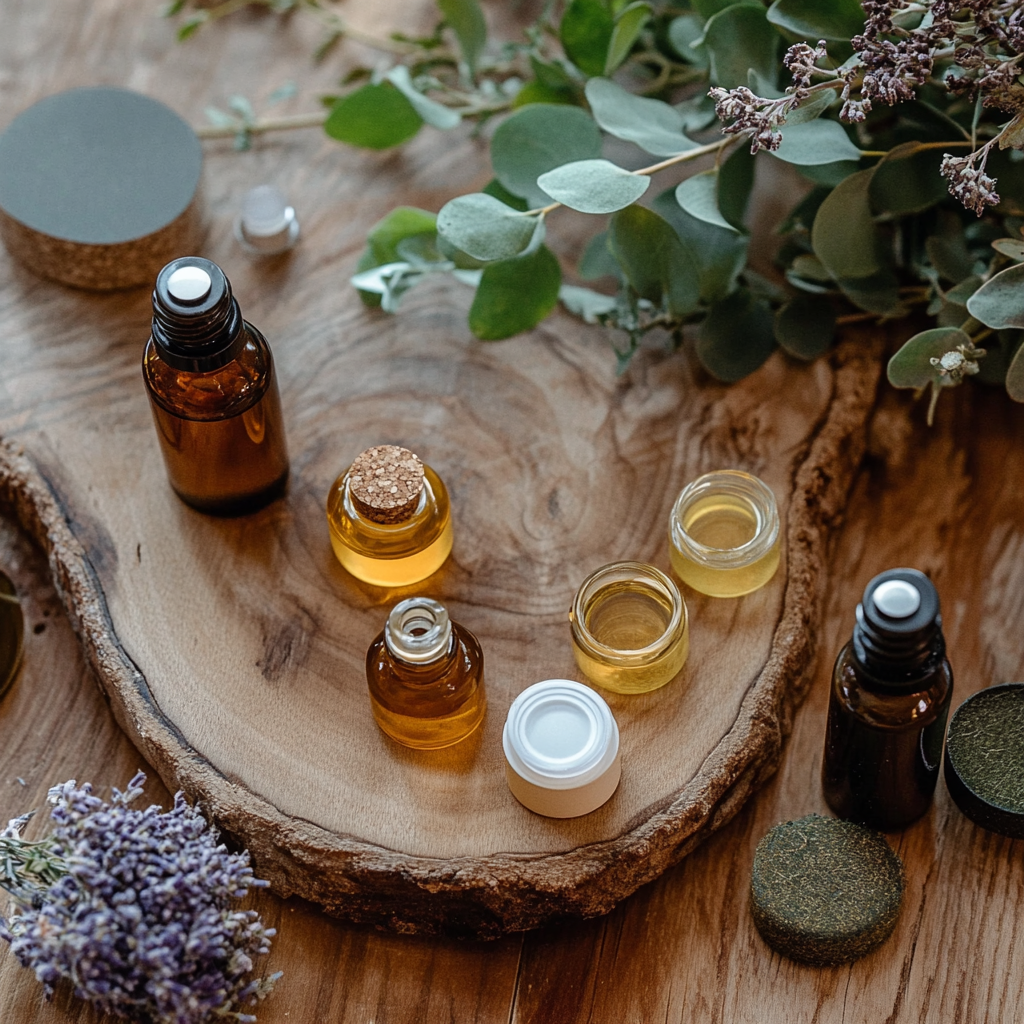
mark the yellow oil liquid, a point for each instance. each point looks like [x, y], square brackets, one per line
[432, 733]
[629, 617]
[393, 554]
[723, 523]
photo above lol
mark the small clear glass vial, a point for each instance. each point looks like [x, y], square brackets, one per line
[561, 746]
[390, 518]
[426, 676]
[724, 534]
[630, 632]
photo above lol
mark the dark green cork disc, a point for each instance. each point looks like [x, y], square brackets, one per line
[825, 891]
[985, 759]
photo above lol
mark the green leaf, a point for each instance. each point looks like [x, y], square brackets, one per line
[586, 32]
[654, 260]
[947, 249]
[586, 303]
[597, 260]
[830, 175]
[1011, 247]
[593, 186]
[628, 26]
[697, 195]
[907, 180]
[739, 39]
[496, 189]
[515, 295]
[435, 114]
[384, 237]
[911, 366]
[814, 107]
[809, 266]
[844, 236]
[878, 293]
[818, 19]
[654, 126]
[467, 22]
[537, 139]
[697, 112]
[683, 32]
[718, 254]
[815, 142]
[735, 182]
[373, 117]
[736, 337]
[191, 26]
[709, 8]
[484, 227]
[999, 302]
[805, 326]
[1015, 377]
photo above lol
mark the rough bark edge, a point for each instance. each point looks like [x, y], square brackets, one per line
[488, 897]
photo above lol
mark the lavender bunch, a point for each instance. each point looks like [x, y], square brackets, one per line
[975, 48]
[132, 907]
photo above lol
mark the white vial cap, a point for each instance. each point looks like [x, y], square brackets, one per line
[267, 224]
[560, 734]
[189, 284]
[897, 599]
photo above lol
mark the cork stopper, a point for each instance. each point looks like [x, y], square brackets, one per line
[385, 483]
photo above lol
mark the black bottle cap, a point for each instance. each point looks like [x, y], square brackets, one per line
[984, 754]
[898, 635]
[197, 325]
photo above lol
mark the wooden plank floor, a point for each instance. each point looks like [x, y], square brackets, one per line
[949, 501]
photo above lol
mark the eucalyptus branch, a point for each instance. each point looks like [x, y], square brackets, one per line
[314, 119]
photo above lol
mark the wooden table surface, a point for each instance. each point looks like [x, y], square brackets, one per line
[949, 500]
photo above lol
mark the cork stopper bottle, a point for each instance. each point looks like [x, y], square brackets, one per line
[426, 676]
[213, 393]
[389, 518]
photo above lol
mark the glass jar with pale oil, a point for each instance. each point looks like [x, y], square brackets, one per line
[426, 676]
[390, 518]
[630, 632]
[724, 534]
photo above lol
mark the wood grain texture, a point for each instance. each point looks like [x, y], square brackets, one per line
[232, 650]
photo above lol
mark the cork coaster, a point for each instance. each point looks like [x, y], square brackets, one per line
[385, 483]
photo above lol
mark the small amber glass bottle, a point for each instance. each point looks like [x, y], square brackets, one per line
[426, 676]
[389, 518]
[891, 689]
[213, 393]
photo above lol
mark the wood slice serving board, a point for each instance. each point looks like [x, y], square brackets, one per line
[232, 650]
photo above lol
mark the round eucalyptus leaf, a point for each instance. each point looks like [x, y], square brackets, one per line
[805, 326]
[514, 295]
[654, 126]
[815, 142]
[999, 302]
[735, 183]
[911, 366]
[654, 260]
[829, 175]
[484, 227]
[373, 117]
[814, 107]
[844, 236]
[683, 33]
[698, 196]
[586, 31]
[736, 337]
[382, 241]
[537, 139]
[1015, 377]
[1011, 247]
[739, 39]
[628, 25]
[597, 260]
[467, 22]
[878, 293]
[809, 266]
[593, 186]
[907, 180]
[818, 19]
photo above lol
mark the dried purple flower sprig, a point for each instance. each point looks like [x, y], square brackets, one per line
[132, 907]
[984, 39]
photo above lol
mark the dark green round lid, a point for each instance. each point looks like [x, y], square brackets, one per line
[825, 891]
[984, 763]
[98, 166]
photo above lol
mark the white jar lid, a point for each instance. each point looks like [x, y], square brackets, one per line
[560, 734]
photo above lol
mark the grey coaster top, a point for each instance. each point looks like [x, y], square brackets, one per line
[825, 891]
[98, 166]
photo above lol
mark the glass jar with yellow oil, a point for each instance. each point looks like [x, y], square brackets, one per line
[724, 534]
[390, 518]
[630, 632]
